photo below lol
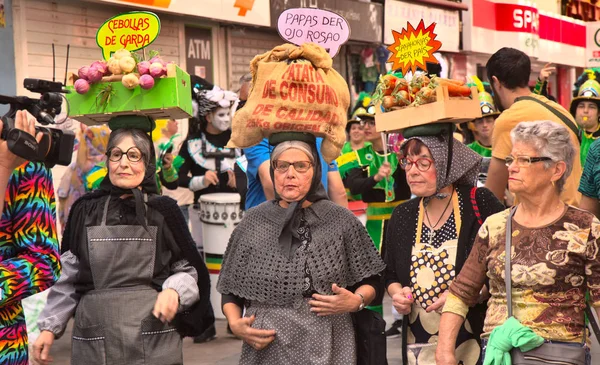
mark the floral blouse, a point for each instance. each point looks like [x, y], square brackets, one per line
[552, 268]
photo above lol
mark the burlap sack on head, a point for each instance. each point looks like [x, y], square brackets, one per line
[294, 89]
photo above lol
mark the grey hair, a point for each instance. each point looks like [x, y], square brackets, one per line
[299, 145]
[550, 139]
[140, 140]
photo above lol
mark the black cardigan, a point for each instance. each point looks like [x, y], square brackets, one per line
[399, 244]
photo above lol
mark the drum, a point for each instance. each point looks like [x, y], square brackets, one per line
[359, 208]
[219, 214]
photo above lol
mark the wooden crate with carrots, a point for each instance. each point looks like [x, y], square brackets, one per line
[402, 104]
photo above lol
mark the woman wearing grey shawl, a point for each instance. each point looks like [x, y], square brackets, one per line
[300, 265]
[430, 238]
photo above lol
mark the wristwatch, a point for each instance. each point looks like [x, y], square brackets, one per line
[362, 302]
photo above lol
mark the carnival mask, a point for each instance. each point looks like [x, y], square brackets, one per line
[221, 118]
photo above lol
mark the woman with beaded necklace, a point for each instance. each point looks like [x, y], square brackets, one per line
[431, 236]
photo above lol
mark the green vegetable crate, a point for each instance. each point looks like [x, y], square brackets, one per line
[170, 98]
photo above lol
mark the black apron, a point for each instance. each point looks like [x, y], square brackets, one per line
[114, 322]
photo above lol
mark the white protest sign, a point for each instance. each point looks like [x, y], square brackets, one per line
[323, 27]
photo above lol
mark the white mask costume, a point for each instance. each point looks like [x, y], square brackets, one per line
[221, 118]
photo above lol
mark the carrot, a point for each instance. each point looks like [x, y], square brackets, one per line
[453, 88]
[389, 102]
[454, 81]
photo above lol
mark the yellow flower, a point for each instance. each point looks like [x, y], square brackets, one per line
[532, 275]
[576, 237]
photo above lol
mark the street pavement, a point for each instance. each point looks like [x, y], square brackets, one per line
[224, 350]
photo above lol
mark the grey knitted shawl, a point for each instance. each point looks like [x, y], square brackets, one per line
[255, 268]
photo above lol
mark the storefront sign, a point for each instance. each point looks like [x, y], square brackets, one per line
[131, 31]
[397, 13]
[413, 48]
[252, 12]
[307, 25]
[199, 57]
[365, 19]
[592, 56]
[489, 26]
[503, 23]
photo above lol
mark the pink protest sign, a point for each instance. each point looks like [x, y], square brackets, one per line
[323, 27]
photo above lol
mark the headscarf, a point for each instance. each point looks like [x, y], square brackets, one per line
[315, 193]
[464, 165]
[148, 184]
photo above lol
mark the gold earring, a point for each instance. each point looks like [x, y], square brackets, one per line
[553, 184]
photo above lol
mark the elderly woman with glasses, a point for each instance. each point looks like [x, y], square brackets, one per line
[299, 265]
[553, 262]
[430, 237]
[129, 266]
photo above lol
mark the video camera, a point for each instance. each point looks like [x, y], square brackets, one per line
[56, 146]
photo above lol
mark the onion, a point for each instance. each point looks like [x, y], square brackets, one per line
[102, 66]
[83, 72]
[94, 74]
[113, 66]
[82, 86]
[122, 53]
[146, 82]
[127, 64]
[158, 59]
[130, 81]
[143, 67]
[157, 69]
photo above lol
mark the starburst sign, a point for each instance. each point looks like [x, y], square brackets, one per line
[414, 47]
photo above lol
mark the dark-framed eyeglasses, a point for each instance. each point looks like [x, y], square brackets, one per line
[299, 166]
[524, 161]
[133, 154]
[423, 163]
[367, 121]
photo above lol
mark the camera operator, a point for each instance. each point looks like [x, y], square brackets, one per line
[9, 161]
[29, 258]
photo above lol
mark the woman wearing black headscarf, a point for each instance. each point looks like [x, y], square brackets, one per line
[129, 265]
[430, 238]
[299, 264]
